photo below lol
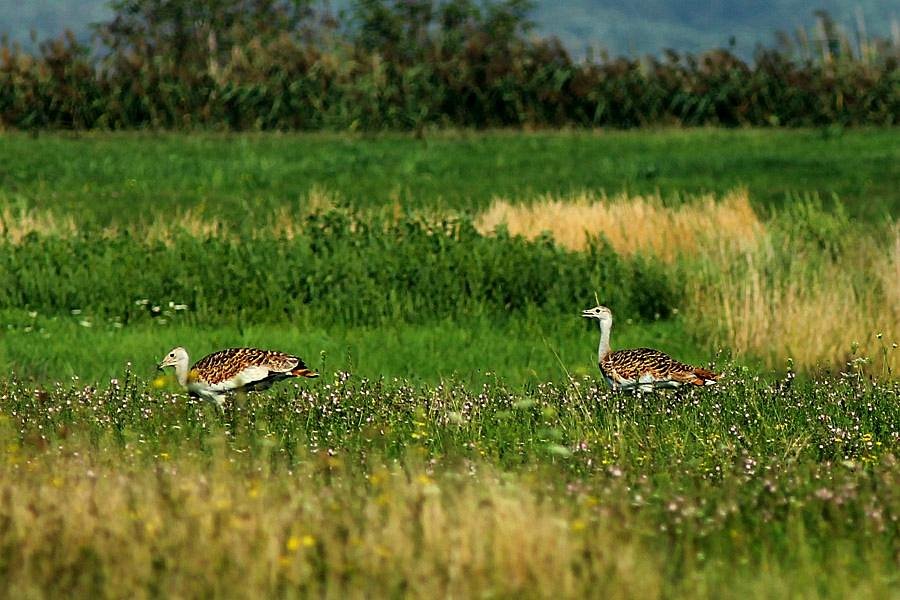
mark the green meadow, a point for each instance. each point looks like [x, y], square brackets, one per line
[460, 441]
[238, 177]
[387, 302]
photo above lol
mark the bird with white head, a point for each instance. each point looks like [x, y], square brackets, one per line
[641, 368]
[233, 369]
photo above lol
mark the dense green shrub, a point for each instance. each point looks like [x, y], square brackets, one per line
[270, 64]
[342, 271]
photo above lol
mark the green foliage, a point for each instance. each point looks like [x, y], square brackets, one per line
[846, 420]
[242, 180]
[806, 221]
[343, 270]
[408, 65]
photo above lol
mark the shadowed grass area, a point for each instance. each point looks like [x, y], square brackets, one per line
[241, 178]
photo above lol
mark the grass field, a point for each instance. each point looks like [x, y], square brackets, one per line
[241, 177]
[459, 442]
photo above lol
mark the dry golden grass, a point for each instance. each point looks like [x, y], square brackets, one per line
[631, 224]
[183, 527]
[787, 301]
[285, 222]
[18, 223]
[890, 275]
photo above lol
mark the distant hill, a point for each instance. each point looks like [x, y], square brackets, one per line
[639, 27]
[635, 27]
[49, 18]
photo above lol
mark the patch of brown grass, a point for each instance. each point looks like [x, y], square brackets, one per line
[631, 224]
[182, 527]
[285, 222]
[18, 223]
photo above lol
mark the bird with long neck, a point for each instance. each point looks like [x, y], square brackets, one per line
[178, 358]
[234, 369]
[604, 317]
[641, 368]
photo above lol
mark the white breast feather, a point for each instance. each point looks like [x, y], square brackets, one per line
[248, 375]
[251, 374]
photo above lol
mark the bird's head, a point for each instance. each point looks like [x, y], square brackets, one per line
[601, 313]
[173, 358]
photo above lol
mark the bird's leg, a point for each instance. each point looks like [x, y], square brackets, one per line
[215, 398]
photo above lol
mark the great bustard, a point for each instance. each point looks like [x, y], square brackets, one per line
[234, 369]
[642, 368]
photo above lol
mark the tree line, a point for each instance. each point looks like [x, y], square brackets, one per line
[417, 64]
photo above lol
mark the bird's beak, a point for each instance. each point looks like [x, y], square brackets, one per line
[587, 314]
[159, 366]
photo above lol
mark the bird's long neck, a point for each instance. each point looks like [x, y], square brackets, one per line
[181, 371]
[603, 350]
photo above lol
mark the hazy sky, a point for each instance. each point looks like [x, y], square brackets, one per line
[631, 27]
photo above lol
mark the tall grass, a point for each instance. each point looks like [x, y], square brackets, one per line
[806, 285]
[826, 303]
[354, 487]
[192, 528]
[630, 224]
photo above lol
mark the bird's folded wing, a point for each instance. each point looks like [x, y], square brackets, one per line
[280, 362]
[247, 375]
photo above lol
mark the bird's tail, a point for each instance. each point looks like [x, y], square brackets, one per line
[302, 371]
[704, 377]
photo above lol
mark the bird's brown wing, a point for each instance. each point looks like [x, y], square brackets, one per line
[636, 362]
[226, 364]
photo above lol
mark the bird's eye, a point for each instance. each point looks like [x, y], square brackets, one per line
[172, 354]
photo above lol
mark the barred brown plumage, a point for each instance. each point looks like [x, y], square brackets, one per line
[642, 368]
[233, 369]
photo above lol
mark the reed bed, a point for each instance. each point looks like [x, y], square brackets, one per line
[783, 300]
[284, 66]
